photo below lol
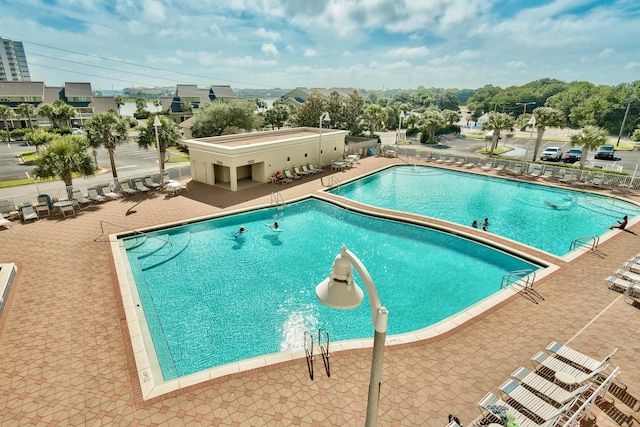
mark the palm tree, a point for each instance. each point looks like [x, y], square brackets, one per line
[5, 114]
[498, 122]
[64, 156]
[27, 110]
[108, 131]
[119, 102]
[590, 138]
[168, 135]
[187, 108]
[374, 117]
[542, 118]
[58, 112]
[40, 137]
[430, 121]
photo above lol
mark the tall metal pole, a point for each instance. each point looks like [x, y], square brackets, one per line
[156, 125]
[624, 120]
[323, 116]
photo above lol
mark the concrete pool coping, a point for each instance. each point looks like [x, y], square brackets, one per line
[147, 365]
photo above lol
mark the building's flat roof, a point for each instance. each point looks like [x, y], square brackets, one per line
[240, 140]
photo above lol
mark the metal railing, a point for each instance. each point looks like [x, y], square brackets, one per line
[524, 279]
[591, 242]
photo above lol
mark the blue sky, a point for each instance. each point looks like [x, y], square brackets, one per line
[370, 44]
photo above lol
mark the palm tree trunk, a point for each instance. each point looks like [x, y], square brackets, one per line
[6, 126]
[539, 134]
[114, 172]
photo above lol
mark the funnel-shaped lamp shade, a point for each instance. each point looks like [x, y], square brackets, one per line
[339, 290]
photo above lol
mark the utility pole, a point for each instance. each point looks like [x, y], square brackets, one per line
[624, 120]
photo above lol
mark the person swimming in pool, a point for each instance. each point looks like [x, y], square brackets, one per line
[242, 230]
[486, 222]
[552, 205]
[275, 225]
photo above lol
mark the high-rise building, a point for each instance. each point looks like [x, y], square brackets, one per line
[13, 61]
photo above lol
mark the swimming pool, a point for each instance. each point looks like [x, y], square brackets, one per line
[517, 210]
[210, 298]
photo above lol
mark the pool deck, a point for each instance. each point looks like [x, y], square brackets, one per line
[66, 358]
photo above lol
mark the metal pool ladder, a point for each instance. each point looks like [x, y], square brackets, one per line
[523, 279]
[323, 345]
[277, 200]
[591, 242]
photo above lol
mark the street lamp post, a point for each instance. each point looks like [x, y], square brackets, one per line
[399, 132]
[524, 104]
[323, 116]
[156, 125]
[341, 292]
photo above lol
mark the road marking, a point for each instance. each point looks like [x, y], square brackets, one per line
[125, 167]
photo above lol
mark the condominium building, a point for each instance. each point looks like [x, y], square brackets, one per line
[13, 61]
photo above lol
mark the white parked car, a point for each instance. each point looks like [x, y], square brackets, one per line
[552, 154]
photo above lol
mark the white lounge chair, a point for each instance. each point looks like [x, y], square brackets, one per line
[137, 183]
[299, 172]
[79, 198]
[92, 193]
[632, 266]
[619, 284]
[313, 168]
[289, 175]
[500, 167]
[5, 222]
[578, 358]
[568, 177]
[150, 183]
[487, 166]
[536, 171]
[531, 402]
[547, 174]
[545, 387]
[564, 372]
[109, 193]
[28, 213]
[67, 210]
[517, 169]
[628, 275]
[126, 188]
[491, 402]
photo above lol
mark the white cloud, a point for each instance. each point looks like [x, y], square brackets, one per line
[153, 11]
[268, 35]
[605, 52]
[408, 52]
[516, 64]
[269, 49]
[310, 53]
[632, 66]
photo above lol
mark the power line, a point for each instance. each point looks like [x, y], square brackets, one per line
[138, 65]
[87, 74]
[98, 66]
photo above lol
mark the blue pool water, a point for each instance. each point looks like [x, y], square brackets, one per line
[210, 298]
[516, 210]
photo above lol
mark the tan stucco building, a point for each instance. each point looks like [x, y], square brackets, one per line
[226, 160]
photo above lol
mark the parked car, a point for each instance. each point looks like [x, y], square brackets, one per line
[552, 154]
[572, 156]
[605, 152]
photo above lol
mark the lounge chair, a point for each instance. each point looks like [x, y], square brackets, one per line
[459, 161]
[67, 210]
[534, 404]
[92, 193]
[450, 160]
[618, 284]
[137, 183]
[306, 170]
[517, 169]
[28, 213]
[628, 275]
[546, 388]
[124, 186]
[108, 192]
[289, 175]
[492, 404]
[297, 171]
[500, 167]
[578, 358]
[632, 266]
[279, 179]
[150, 183]
[568, 177]
[487, 166]
[536, 171]
[564, 372]
[6, 208]
[469, 165]
[313, 168]
[547, 174]
[77, 196]
[441, 159]
[43, 207]
[5, 223]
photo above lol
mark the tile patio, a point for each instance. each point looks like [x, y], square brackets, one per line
[66, 359]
